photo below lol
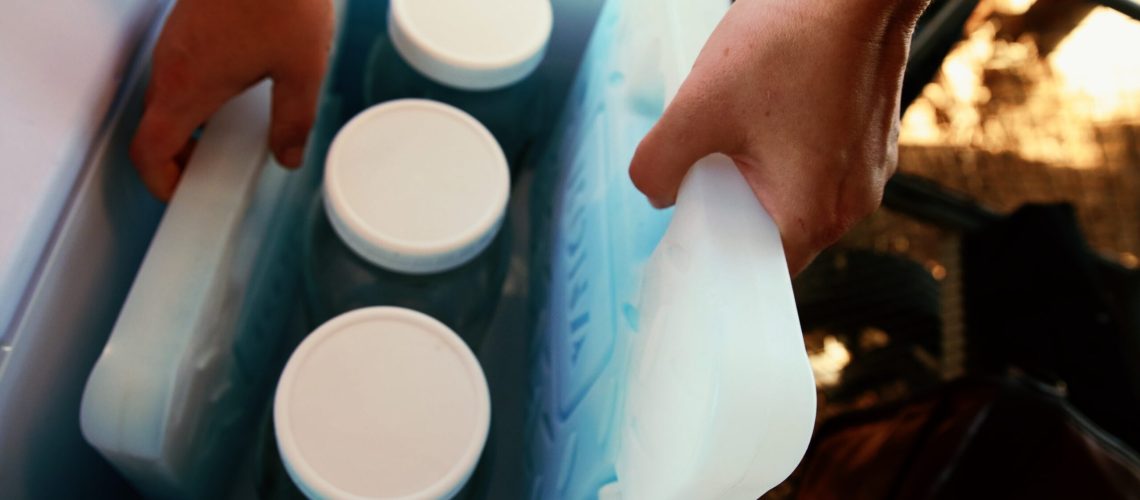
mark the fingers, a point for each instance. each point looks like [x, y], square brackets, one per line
[297, 84]
[211, 50]
[174, 109]
[800, 246]
[685, 133]
[294, 109]
[796, 216]
[799, 258]
[163, 137]
[812, 209]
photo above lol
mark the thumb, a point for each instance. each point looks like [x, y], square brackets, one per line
[294, 109]
[684, 134]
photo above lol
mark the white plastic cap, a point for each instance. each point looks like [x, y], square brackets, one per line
[416, 186]
[382, 402]
[471, 45]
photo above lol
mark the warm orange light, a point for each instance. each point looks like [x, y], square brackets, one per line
[828, 363]
[1001, 96]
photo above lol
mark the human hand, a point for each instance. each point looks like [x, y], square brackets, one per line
[804, 96]
[210, 51]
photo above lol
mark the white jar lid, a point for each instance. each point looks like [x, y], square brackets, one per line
[382, 402]
[471, 45]
[416, 186]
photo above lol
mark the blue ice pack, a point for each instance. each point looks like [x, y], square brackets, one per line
[594, 233]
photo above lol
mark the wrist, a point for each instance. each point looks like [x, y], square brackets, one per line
[905, 13]
[887, 18]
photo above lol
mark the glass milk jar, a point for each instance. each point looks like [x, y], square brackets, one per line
[410, 214]
[477, 56]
